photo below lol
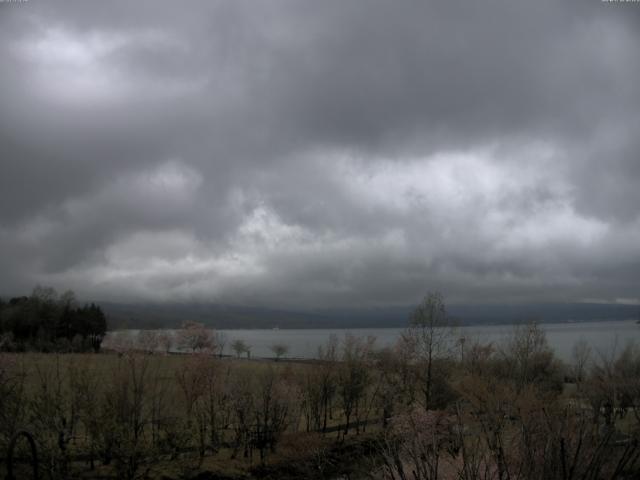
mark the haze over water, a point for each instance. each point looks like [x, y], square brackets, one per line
[603, 337]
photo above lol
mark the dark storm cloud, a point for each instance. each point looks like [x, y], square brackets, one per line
[315, 153]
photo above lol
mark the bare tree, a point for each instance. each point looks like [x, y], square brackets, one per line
[86, 386]
[581, 353]
[273, 401]
[428, 336]
[477, 356]
[242, 404]
[279, 350]
[530, 359]
[328, 355]
[220, 339]
[239, 346]
[532, 433]
[414, 445]
[311, 396]
[627, 373]
[198, 383]
[354, 376]
[12, 398]
[126, 414]
[55, 413]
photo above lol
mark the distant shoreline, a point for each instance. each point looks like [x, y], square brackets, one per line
[455, 325]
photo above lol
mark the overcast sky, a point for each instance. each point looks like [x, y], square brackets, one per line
[321, 153]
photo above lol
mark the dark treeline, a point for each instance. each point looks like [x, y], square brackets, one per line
[48, 322]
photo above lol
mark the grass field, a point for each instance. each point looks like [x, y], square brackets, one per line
[159, 405]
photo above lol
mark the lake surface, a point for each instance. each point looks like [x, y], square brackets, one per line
[603, 337]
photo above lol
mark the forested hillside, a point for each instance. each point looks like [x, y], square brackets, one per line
[48, 322]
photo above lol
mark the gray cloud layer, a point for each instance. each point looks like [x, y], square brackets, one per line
[321, 153]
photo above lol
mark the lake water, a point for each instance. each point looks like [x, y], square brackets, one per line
[603, 337]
